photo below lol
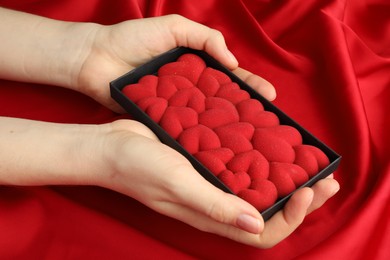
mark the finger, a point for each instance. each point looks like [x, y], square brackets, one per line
[323, 190]
[259, 84]
[197, 36]
[200, 221]
[285, 221]
[203, 197]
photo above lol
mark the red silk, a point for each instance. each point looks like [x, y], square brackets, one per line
[330, 63]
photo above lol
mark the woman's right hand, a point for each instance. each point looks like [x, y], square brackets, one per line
[141, 167]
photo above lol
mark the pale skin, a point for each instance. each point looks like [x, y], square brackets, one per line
[125, 155]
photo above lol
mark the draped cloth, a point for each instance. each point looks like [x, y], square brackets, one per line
[329, 61]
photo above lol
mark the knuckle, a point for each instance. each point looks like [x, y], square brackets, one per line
[216, 33]
[174, 18]
[216, 211]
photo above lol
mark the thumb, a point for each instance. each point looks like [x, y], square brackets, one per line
[219, 206]
[194, 35]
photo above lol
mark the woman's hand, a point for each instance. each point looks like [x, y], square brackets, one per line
[114, 50]
[127, 157]
[161, 178]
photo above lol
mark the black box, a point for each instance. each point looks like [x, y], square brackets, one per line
[152, 67]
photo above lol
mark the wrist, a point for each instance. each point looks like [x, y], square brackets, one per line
[40, 153]
[120, 144]
[61, 54]
[47, 51]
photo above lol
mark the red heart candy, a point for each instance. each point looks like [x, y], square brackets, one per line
[153, 106]
[310, 158]
[262, 194]
[252, 111]
[235, 181]
[286, 177]
[236, 136]
[210, 81]
[239, 128]
[249, 108]
[321, 157]
[285, 132]
[215, 160]
[146, 87]
[189, 97]
[188, 65]
[179, 82]
[218, 112]
[232, 92]
[199, 138]
[169, 85]
[252, 162]
[176, 119]
[274, 148]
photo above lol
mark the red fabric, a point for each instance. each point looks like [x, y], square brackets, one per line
[330, 63]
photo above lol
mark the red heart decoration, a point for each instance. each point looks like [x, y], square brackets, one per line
[211, 80]
[249, 108]
[235, 181]
[233, 93]
[188, 65]
[176, 119]
[262, 194]
[227, 131]
[285, 132]
[310, 158]
[146, 87]
[287, 177]
[189, 97]
[274, 148]
[252, 111]
[153, 106]
[215, 160]
[239, 128]
[251, 162]
[199, 138]
[218, 112]
[236, 136]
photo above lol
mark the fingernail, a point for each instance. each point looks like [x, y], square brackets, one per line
[248, 223]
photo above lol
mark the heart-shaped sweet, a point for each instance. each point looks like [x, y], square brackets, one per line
[146, 87]
[187, 65]
[288, 133]
[286, 177]
[262, 194]
[189, 97]
[235, 181]
[251, 162]
[215, 160]
[310, 158]
[232, 92]
[227, 131]
[210, 81]
[252, 111]
[274, 148]
[176, 119]
[153, 106]
[168, 83]
[236, 136]
[218, 112]
[249, 108]
[199, 138]
[238, 128]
